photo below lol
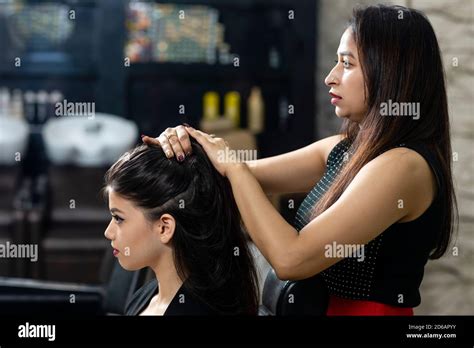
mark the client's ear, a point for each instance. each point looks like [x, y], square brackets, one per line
[165, 227]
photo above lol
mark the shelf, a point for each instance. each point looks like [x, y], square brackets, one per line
[47, 69]
[48, 64]
[200, 69]
[241, 4]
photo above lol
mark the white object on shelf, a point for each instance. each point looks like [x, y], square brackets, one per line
[13, 140]
[4, 102]
[29, 105]
[55, 97]
[42, 107]
[88, 142]
[17, 105]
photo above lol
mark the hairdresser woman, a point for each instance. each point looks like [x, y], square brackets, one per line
[383, 185]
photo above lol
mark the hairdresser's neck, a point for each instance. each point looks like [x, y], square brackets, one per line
[168, 279]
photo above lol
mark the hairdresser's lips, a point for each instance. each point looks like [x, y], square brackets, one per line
[116, 252]
[335, 98]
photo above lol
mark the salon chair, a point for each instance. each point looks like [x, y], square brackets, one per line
[14, 198]
[302, 297]
[83, 276]
[68, 221]
[290, 298]
[20, 296]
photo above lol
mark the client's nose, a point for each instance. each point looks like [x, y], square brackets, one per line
[109, 231]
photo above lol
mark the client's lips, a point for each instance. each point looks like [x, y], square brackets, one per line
[115, 251]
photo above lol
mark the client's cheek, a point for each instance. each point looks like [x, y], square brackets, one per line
[129, 262]
[137, 255]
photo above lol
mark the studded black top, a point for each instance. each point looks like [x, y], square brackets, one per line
[392, 268]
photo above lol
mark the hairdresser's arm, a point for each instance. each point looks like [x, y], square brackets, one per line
[366, 208]
[296, 171]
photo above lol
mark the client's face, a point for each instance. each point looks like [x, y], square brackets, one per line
[137, 243]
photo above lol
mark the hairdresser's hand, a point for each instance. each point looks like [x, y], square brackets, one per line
[174, 142]
[215, 148]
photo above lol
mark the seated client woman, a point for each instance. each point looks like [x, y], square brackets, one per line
[181, 220]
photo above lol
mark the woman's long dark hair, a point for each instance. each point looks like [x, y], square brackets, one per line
[209, 246]
[401, 62]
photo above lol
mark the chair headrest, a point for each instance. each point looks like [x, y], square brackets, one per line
[301, 297]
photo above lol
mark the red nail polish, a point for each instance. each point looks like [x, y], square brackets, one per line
[186, 125]
[142, 136]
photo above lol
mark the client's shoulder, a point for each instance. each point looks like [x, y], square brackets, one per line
[186, 302]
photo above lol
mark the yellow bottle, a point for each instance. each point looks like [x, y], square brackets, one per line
[210, 103]
[232, 107]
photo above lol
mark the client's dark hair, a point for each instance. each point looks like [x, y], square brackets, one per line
[209, 246]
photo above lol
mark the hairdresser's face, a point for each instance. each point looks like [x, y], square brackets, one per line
[139, 243]
[346, 81]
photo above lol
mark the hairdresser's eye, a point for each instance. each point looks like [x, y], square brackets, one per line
[117, 219]
[345, 63]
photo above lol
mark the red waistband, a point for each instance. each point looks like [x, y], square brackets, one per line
[342, 306]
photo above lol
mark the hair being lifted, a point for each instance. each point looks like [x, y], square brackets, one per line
[210, 249]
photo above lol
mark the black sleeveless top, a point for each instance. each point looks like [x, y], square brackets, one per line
[393, 264]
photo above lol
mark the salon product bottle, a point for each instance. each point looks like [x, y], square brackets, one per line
[210, 104]
[283, 114]
[273, 58]
[42, 99]
[30, 107]
[17, 104]
[232, 107]
[255, 111]
[55, 98]
[4, 102]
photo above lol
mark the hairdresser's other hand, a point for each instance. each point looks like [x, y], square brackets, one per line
[174, 142]
[215, 148]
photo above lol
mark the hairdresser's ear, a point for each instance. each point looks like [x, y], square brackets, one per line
[165, 227]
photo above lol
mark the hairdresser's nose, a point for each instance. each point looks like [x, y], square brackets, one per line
[332, 79]
[109, 231]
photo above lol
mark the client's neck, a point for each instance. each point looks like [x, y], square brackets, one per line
[167, 277]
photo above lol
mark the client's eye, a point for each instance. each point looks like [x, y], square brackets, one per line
[117, 219]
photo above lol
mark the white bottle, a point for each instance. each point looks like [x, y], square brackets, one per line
[4, 102]
[255, 111]
[42, 100]
[55, 98]
[17, 105]
[29, 106]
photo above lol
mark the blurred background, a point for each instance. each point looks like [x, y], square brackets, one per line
[81, 80]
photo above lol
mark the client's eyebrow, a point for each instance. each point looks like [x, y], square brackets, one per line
[346, 53]
[115, 210]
